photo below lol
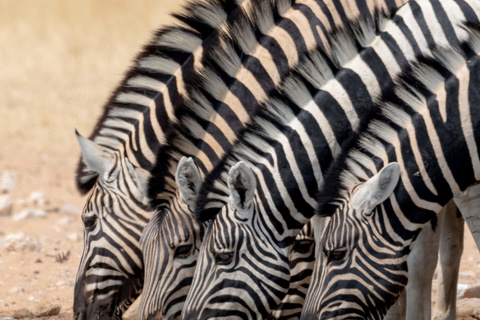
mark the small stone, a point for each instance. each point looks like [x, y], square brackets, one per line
[23, 313]
[461, 288]
[31, 298]
[16, 290]
[7, 182]
[29, 214]
[52, 311]
[6, 205]
[471, 292]
[75, 237]
[64, 221]
[38, 260]
[21, 242]
[60, 283]
[68, 208]
[38, 198]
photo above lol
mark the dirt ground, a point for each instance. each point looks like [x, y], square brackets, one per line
[33, 283]
[59, 59]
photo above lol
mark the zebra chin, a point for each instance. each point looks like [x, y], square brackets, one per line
[100, 310]
[98, 314]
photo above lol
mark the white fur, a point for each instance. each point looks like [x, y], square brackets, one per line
[130, 97]
[227, 58]
[242, 185]
[144, 82]
[182, 41]
[95, 157]
[211, 13]
[188, 179]
[316, 70]
[159, 64]
[377, 189]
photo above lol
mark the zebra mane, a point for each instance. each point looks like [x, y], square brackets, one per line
[180, 45]
[365, 153]
[275, 115]
[219, 66]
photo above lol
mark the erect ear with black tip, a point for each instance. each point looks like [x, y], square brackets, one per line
[242, 184]
[95, 157]
[188, 180]
[139, 176]
[377, 189]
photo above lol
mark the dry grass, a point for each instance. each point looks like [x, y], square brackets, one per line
[59, 60]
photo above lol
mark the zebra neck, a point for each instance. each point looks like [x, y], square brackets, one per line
[432, 130]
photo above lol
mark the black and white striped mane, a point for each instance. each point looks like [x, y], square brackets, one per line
[365, 147]
[317, 67]
[201, 103]
[193, 29]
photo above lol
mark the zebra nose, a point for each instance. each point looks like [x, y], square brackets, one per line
[155, 316]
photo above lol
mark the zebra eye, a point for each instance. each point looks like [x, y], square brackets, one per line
[183, 252]
[335, 255]
[223, 258]
[302, 246]
[89, 221]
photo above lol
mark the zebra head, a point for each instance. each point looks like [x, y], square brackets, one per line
[110, 274]
[347, 281]
[240, 273]
[170, 244]
[302, 260]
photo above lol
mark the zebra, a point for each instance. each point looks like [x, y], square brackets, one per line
[158, 295]
[116, 161]
[188, 179]
[207, 141]
[418, 152]
[242, 268]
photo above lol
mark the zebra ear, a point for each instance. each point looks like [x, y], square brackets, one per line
[139, 175]
[188, 180]
[95, 157]
[377, 189]
[242, 184]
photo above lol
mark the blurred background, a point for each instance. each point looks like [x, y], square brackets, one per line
[59, 61]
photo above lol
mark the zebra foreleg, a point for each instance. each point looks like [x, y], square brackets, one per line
[422, 262]
[451, 248]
